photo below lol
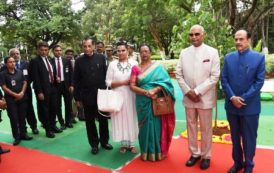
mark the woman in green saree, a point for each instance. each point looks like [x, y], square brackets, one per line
[155, 132]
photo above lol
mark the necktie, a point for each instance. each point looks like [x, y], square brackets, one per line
[49, 70]
[17, 65]
[58, 69]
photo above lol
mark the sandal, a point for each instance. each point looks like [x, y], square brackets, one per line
[133, 150]
[123, 149]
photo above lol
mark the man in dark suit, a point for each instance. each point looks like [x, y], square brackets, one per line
[44, 87]
[23, 66]
[63, 73]
[242, 78]
[69, 55]
[89, 75]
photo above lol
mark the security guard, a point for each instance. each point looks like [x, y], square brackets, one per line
[14, 85]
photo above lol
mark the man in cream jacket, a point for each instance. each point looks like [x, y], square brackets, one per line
[197, 72]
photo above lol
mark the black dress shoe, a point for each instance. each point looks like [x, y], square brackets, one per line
[81, 118]
[192, 160]
[107, 146]
[50, 134]
[205, 163]
[95, 150]
[247, 171]
[69, 125]
[56, 130]
[63, 127]
[3, 151]
[35, 131]
[26, 137]
[234, 169]
[73, 121]
[16, 142]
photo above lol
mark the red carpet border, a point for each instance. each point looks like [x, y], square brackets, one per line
[24, 160]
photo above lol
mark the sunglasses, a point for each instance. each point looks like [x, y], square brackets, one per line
[196, 34]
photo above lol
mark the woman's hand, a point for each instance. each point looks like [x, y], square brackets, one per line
[152, 93]
[115, 84]
[125, 82]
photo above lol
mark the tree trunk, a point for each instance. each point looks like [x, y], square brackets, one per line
[155, 36]
[267, 31]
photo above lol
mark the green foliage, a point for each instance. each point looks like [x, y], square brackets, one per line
[144, 21]
[269, 63]
[169, 65]
[102, 19]
[156, 57]
[258, 46]
[218, 32]
[27, 22]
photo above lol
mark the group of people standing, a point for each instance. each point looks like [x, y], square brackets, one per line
[136, 119]
[242, 77]
[198, 71]
[51, 80]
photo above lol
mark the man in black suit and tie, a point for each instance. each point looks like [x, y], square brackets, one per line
[44, 87]
[23, 66]
[63, 73]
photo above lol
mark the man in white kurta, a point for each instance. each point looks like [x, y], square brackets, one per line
[197, 72]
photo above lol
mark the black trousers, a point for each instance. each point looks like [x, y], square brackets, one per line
[47, 109]
[62, 91]
[30, 115]
[17, 112]
[91, 113]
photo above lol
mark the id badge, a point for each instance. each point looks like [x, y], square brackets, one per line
[13, 82]
[25, 72]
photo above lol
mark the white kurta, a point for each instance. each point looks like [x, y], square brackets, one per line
[124, 123]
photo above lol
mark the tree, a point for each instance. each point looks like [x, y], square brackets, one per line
[24, 22]
[102, 19]
[138, 21]
[156, 18]
[252, 15]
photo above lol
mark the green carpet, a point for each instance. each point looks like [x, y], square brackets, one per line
[72, 143]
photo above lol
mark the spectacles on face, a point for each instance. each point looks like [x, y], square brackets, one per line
[194, 34]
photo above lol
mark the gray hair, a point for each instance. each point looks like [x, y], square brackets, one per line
[12, 50]
[199, 27]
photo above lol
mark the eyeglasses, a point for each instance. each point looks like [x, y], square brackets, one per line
[196, 34]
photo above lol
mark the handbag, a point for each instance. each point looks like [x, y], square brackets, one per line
[109, 100]
[163, 105]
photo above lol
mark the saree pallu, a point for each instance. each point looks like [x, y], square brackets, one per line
[155, 132]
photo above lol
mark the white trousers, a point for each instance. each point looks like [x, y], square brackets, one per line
[199, 119]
